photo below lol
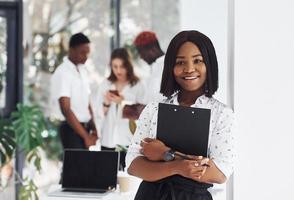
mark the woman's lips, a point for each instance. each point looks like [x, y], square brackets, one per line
[190, 77]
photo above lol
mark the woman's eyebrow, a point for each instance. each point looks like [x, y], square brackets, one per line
[197, 55]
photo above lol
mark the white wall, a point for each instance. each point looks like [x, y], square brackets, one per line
[211, 18]
[264, 77]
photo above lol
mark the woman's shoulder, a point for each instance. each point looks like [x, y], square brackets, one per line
[152, 105]
[138, 84]
[220, 106]
[151, 108]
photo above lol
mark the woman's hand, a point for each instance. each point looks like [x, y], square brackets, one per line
[116, 99]
[193, 169]
[153, 149]
[111, 97]
[107, 98]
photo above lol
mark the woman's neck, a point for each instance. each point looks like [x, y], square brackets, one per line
[188, 98]
[120, 84]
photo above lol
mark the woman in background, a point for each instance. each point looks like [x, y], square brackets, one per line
[190, 78]
[120, 88]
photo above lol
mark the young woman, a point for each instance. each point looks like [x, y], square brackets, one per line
[120, 88]
[190, 78]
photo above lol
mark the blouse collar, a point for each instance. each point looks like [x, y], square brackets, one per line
[201, 100]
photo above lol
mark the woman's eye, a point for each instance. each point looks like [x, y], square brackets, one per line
[180, 62]
[196, 61]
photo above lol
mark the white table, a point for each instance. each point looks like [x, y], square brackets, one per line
[218, 193]
[81, 196]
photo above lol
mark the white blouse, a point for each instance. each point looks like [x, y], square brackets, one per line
[112, 128]
[221, 147]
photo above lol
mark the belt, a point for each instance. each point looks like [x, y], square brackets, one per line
[86, 125]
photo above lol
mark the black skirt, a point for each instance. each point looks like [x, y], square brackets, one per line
[173, 188]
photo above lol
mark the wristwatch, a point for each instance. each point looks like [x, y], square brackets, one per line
[169, 155]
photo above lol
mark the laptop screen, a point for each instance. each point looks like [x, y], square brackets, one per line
[90, 170]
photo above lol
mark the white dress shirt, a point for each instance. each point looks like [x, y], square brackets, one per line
[67, 81]
[221, 136]
[153, 82]
[113, 128]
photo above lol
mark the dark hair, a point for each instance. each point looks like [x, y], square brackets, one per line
[123, 54]
[168, 84]
[78, 39]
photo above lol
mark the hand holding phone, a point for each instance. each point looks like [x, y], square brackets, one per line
[115, 92]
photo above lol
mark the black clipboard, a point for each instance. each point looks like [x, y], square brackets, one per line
[184, 129]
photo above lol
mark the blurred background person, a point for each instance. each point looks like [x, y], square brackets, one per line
[120, 88]
[70, 94]
[149, 49]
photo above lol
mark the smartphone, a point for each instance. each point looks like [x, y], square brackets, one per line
[115, 92]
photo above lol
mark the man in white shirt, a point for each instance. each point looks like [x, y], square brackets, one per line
[149, 50]
[70, 97]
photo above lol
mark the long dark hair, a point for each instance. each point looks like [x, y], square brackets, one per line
[168, 84]
[122, 53]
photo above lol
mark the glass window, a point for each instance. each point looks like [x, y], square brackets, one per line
[52, 22]
[142, 15]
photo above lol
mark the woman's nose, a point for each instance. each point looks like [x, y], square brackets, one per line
[118, 70]
[189, 67]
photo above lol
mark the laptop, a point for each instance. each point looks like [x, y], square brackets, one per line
[184, 129]
[88, 173]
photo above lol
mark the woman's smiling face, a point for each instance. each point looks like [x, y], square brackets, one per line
[190, 69]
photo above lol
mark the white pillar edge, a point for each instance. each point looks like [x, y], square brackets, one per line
[230, 79]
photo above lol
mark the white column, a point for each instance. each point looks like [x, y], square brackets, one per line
[264, 97]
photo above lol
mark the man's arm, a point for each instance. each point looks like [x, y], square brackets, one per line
[92, 122]
[72, 120]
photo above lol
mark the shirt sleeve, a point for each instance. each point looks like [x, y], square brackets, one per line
[222, 147]
[142, 131]
[63, 89]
